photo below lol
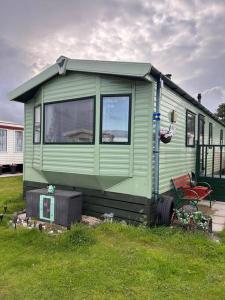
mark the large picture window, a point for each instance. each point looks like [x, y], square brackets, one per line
[210, 133]
[18, 141]
[37, 124]
[190, 129]
[70, 122]
[115, 119]
[201, 129]
[3, 140]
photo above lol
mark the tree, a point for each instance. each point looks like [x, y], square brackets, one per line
[220, 113]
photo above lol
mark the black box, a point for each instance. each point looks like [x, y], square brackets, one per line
[62, 207]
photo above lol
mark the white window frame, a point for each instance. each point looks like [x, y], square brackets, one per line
[5, 151]
[15, 144]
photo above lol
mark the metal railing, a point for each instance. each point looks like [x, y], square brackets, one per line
[211, 161]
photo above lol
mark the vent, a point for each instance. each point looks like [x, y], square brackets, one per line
[169, 76]
[199, 97]
[62, 62]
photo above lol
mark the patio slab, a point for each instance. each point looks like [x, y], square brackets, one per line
[217, 212]
[217, 227]
[218, 220]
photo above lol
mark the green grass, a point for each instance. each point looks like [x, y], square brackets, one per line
[113, 261]
[11, 193]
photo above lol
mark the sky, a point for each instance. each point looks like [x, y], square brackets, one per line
[183, 37]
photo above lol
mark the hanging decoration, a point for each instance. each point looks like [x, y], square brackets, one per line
[166, 135]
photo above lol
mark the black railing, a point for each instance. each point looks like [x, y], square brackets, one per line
[211, 161]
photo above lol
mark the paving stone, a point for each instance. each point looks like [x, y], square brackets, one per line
[205, 202]
[219, 207]
[218, 214]
[218, 220]
[217, 227]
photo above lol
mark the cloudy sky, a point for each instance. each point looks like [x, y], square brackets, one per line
[182, 37]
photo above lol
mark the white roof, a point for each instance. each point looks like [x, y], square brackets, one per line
[10, 124]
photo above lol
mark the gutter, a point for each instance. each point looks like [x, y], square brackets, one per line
[173, 86]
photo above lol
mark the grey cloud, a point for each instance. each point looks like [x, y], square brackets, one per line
[13, 70]
[217, 93]
[185, 38]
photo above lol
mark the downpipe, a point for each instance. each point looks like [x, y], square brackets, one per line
[156, 125]
[163, 204]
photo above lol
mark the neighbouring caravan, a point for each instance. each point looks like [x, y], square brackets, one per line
[11, 147]
[117, 132]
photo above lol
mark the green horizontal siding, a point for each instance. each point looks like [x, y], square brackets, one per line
[28, 135]
[114, 85]
[73, 85]
[114, 168]
[114, 160]
[71, 158]
[36, 156]
[175, 158]
[142, 152]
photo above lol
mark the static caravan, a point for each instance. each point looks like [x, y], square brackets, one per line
[97, 127]
[11, 146]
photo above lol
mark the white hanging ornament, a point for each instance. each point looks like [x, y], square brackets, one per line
[166, 135]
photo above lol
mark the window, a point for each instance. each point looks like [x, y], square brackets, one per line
[70, 122]
[18, 141]
[37, 124]
[201, 129]
[221, 136]
[115, 119]
[210, 133]
[190, 129]
[3, 140]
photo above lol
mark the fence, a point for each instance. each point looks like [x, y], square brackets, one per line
[210, 167]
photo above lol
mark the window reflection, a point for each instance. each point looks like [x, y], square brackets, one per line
[37, 125]
[19, 141]
[210, 133]
[3, 140]
[201, 130]
[190, 129]
[70, 121]
[115, 119]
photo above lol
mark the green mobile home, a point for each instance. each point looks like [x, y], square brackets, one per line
[94, 127]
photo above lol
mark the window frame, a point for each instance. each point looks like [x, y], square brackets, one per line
[210, 131]
[71, 100]
[15, 131]
[221, 137]
[129, 118]
[201, 117]
[194, 115]
[6, 147]
[35, 107]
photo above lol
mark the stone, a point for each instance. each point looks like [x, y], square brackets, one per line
[91, 221]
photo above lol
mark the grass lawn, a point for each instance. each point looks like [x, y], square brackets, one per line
[113, 261]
